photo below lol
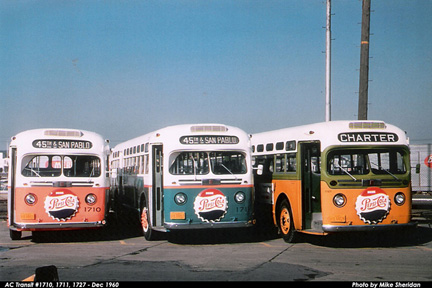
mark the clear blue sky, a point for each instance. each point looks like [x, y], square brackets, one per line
[125, 68]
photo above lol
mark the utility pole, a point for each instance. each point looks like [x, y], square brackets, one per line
[364, 62]
[328, 62]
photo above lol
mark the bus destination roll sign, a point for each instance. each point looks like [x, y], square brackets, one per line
[209, 140]
[61, 144]
[368, 137]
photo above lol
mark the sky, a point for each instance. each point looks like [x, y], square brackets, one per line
[126, 68]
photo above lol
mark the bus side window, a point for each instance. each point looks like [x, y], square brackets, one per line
[146, 164]
[141, 165]
[285, 163]
[280, 163]
[291, 163]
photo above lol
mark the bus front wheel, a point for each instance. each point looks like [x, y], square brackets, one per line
[285, 222]
[145, 223]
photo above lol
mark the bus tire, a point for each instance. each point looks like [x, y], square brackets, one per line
[285, 222]
[145, 222]
[15, 235]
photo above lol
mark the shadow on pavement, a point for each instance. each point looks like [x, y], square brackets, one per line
[129, 228]
[114, 230]
[410, 237]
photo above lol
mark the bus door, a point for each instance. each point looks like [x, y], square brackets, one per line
[311, 178]
[157, 187]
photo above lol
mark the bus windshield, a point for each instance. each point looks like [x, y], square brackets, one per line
[201, 163]
[362, 162]
[56, 165]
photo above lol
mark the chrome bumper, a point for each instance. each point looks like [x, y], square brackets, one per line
[56, 226]
[205, 225]
[377, 227]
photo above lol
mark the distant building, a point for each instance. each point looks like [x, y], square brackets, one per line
[3, 162]
[3, 171]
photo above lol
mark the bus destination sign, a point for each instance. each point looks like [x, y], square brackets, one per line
[368, 137]
[62, 144]
[209, 140]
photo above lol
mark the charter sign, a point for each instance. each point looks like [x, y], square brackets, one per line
[368, 137]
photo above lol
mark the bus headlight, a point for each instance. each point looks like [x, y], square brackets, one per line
[399, 198]
[239, 197]
[30, 199]
[90, 199]
[180, 198]
[339, 200]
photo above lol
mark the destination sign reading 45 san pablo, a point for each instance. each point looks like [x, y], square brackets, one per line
[62, 144]
[209, 139]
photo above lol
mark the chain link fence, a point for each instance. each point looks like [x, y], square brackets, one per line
[421, 168]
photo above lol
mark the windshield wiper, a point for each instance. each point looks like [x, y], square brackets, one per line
[337, 165]
[235, 177]
[33, 171]
[385, 170]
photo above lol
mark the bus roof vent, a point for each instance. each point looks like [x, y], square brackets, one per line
[367, 125]
[64, 133]
[209, 128]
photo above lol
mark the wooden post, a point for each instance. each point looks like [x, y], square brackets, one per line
[364, 62]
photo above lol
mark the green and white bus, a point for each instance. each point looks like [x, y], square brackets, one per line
[185, 177]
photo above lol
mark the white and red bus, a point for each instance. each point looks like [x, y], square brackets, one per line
[334, 176]
[58, 180]
[185, 177]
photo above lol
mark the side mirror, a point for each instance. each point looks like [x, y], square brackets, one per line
[260, 169]
[418, 169]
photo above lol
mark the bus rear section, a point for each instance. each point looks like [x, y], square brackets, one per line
[57, 181]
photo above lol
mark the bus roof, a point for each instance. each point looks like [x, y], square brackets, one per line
[59, 138]
[340, 133]
[172, 135]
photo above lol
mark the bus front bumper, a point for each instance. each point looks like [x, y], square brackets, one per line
[56, 226]
[209, 225]
[365, 228]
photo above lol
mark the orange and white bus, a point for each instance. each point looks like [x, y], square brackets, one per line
[185, 177]
[58, 180]
[334, 176]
